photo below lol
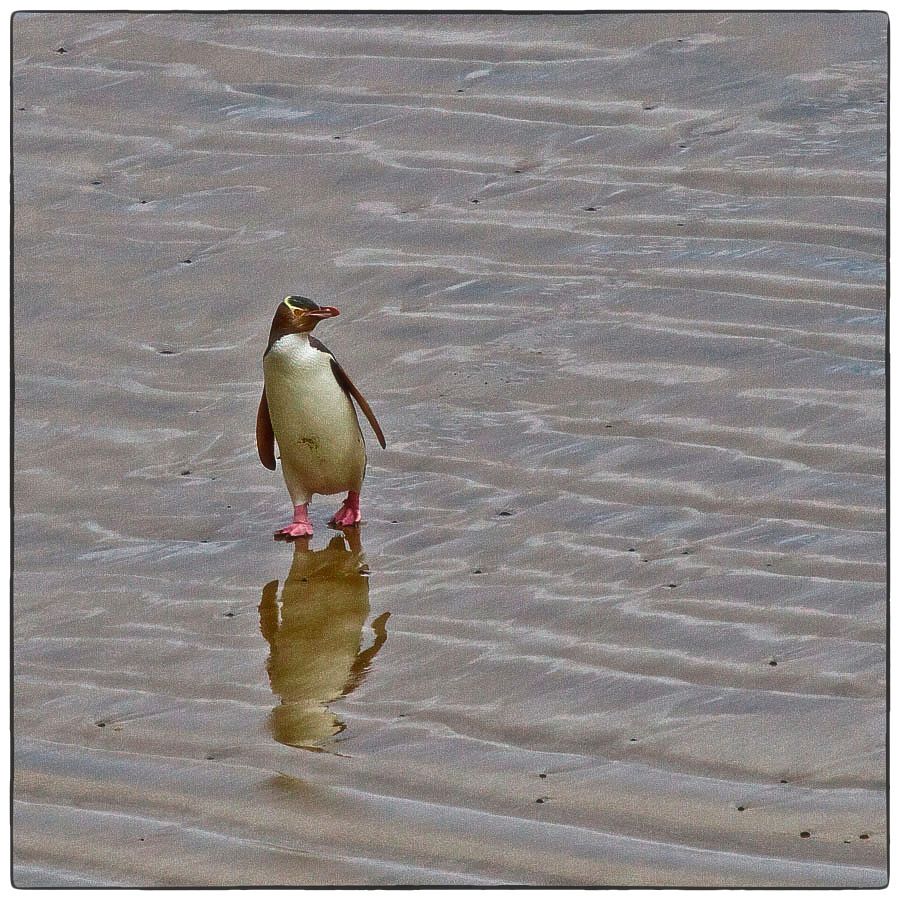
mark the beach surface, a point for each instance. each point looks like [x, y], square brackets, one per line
[615, 287]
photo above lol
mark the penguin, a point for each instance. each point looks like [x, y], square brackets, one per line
[307, 407]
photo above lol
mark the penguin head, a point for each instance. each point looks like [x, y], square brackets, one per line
[300, 314]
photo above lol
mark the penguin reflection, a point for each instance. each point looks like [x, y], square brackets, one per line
[315, 638]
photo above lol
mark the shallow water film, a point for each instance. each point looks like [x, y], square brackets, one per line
[615, 288]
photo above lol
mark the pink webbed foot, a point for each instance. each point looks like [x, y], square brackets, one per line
[348, 515]
[300, 525]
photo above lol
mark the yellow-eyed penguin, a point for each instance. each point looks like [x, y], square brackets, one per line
[306, 407]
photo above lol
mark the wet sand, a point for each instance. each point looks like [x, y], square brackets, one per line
[615, 287]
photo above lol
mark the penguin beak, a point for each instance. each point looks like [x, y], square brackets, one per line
[323, 312]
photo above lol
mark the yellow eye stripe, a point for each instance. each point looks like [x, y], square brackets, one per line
[299, 304]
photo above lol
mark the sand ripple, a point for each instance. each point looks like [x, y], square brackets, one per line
[616, 288]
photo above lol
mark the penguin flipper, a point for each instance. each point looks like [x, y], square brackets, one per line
[265, 437]
[343, 379]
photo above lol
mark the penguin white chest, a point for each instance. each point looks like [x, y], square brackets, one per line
[314, 421]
